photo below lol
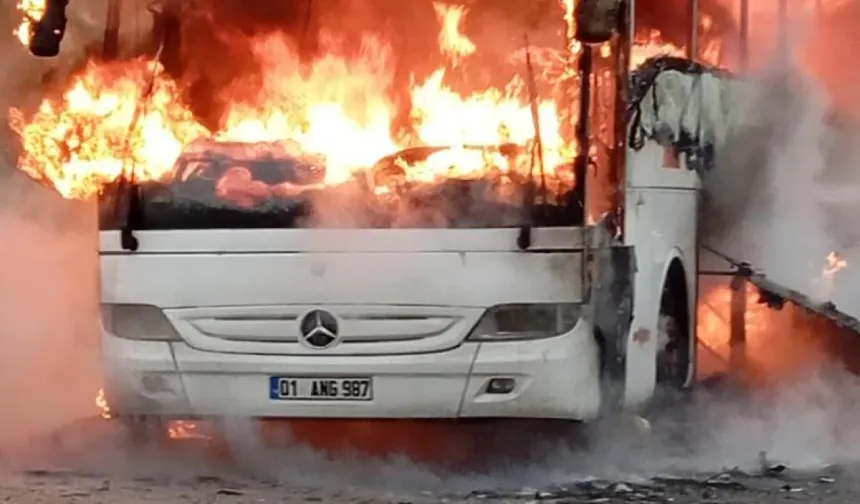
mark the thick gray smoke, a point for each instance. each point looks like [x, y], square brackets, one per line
[761, 197]
[782, 195]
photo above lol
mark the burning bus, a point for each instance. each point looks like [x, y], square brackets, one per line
[301, 260]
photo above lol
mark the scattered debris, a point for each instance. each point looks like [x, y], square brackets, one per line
[596, 491]
[76, 493]
[791, 489]
[665, 488]
[45, 472]
[769, 469]
[721, 480]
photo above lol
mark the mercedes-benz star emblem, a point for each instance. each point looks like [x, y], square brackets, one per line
[319, 329]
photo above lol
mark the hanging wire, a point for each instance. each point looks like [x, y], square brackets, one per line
[127, 176]
[138, 112]
[537, 145]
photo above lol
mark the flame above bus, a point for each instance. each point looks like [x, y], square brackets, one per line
[131, 117]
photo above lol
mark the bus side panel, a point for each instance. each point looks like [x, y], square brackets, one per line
[660, 222]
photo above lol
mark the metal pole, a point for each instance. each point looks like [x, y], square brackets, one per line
[583, 122]
[737, 321]
[630, 17]
[744, 35]
[693, 42]
[618, 180]
[110, 49]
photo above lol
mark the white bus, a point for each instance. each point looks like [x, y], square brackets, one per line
[219, 303]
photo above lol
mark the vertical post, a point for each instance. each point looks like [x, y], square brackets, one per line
[110, 49]
[628, 18]
[585, 67]
[737, 320]
[744, 35]
[618, 179]
[693, 35]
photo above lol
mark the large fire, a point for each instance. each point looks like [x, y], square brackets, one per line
[129, 117]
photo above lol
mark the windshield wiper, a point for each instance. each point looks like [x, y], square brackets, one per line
[127, 191]
[127, 239]
[524, 238]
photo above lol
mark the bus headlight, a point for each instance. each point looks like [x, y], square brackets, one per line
[510, 322]
[138, 322]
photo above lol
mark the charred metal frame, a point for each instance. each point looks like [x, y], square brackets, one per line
[693, 36]
[611, 302]
[773, 295]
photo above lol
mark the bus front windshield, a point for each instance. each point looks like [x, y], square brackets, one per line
[237, 187]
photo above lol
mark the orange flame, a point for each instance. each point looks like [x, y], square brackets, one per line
[779, 342]
[652, 47]
[185, 429]
[102, 404]
[452, 41]
[835, 264]
[714, 316]
[176, 429]
[824, 284]
[338, 108]
[79, 142]
[32, 11]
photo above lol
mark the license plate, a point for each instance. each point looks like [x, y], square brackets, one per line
[287, 388]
